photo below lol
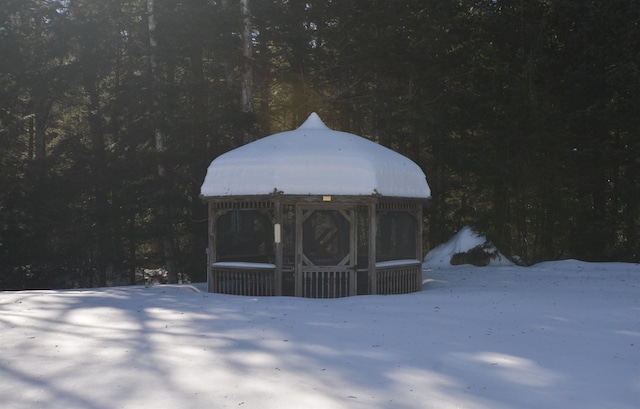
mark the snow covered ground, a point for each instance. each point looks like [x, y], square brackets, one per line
[555, 335]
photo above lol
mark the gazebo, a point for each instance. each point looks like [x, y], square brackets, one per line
[314, 212]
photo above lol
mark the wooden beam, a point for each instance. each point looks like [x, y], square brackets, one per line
[212, 247]
[418, 214]
[298, 252]
[277, 218]
[373, 231]
[353, 252]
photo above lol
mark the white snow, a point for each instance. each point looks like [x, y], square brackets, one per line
[316, 160]
[243, 264]
[556, 335]
[463, 241]
[397, 263]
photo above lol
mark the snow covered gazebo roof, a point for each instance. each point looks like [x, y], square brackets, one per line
[314, 160]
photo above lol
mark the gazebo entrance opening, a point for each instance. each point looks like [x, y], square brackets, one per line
[326, 267]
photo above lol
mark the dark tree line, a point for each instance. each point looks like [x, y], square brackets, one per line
[523, 115]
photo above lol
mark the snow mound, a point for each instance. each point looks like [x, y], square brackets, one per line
[466, 247]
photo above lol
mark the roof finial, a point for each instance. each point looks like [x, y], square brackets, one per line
[313, 122]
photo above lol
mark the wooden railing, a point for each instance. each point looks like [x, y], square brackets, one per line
[327, 284]
[399, 276]
[255, 279]
[258, 279]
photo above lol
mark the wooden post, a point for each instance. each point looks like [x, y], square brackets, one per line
[418, 214]
[212, 256]
[353, 251]
[373, 231]
[298, 252]
[277, 219]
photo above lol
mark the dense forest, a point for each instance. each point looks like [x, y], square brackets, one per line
[524, 115]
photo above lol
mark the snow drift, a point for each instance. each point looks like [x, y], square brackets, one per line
[466, 247]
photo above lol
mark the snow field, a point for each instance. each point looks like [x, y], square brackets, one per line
[555, 335]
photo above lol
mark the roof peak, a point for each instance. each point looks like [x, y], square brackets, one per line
[313, 122]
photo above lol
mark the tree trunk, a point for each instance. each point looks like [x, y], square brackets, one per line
[42, 110]
[247, 73]
[159, 139]
[99, 170]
